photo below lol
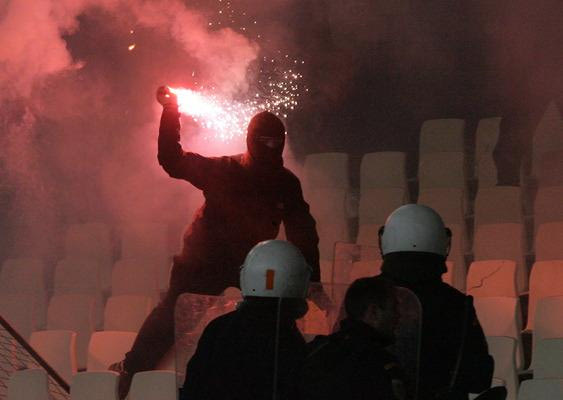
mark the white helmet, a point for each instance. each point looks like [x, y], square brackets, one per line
[414, 227]
[275, 268]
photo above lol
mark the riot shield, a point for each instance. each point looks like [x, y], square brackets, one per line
[325, 304]
[353, 261]
[192, 314]
[407, 338]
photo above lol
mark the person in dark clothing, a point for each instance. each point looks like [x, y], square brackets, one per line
[454, 359]
[352, 363]
[249, 353]
[247, 196]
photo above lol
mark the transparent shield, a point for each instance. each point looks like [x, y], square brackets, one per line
[407, 338]
[325, 309]
[353, 261]
[192, 314]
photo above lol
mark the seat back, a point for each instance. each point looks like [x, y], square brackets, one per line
[95, 385]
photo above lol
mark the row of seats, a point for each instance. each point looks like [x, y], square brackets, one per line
[148, 385]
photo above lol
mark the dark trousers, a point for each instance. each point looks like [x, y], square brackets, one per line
[156, 335]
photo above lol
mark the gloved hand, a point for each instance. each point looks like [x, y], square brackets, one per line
[320, 298]
[165, 97]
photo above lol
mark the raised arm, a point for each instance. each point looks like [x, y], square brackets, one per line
[192, 167]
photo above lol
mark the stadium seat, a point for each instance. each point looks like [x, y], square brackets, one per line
[502, 241]
[383, 170]
[108, 347]
[498, 204]
[28, 384]
[541, 389]
[547, 137]
[502, 316]
[19, 311]
[153, 385]
[58, 348]
[450, 203]
[135, 277]
[486, 139]
[548, 358]
[546, 280]
[326, 188]
[439, 135]
[503, 351]
[76, 313]
[375, 206]
[548, 241]
[548, 205]
[548, 322]
[442, 170]
[95, 385]
[26, 276]
[91, 241]
[126, 312]
[492, 278]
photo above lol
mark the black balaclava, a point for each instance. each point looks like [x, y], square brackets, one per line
[265, 140]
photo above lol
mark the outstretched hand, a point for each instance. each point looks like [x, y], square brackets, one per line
[165, 97]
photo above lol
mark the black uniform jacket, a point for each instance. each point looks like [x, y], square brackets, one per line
[235, 355]
[244, 204]
[447, 316]
[350, 364]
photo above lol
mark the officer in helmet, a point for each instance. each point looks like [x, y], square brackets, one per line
[454, 359]
[249, 353]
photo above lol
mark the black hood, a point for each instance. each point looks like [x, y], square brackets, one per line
[262, 127]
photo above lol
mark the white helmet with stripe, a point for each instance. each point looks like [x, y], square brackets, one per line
[275, 268]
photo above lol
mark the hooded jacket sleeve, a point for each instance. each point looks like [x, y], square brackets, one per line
[300, 227]
[200, 171]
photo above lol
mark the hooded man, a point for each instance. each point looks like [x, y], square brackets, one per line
[247, 196]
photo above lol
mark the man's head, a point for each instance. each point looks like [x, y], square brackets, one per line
[374, 301]
[266, 138]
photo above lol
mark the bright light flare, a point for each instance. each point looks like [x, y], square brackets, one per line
[224, 119]
[132, 47]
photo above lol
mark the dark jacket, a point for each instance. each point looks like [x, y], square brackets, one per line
[350, 364]
[444, 310]
[235, 355]
[244, 203]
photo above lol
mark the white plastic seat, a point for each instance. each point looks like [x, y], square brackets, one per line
[81, 276]
[26, 276]
[28, 384]
[108, 347]
[442, 170]
[496, 382]
[548, 358]
[19, 311]
[488, 278]
[548, 241]
[126, 312]
[326, 170]
[153, 385]
[438, 135]
[502, 241]
[502, 316]
[450, 203]
[546, 280]
[375, 206]
[95, 385]
[541, 389]
[548, 205]
[326, 188]
[548, 322]
[458, 270]
[135, 277]
[145, 240]
[383, 170]
[91, 241]
[76, 313]
[58, 348]
[547, 137]
[487, 135]
[503, 351]
[498, 204]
